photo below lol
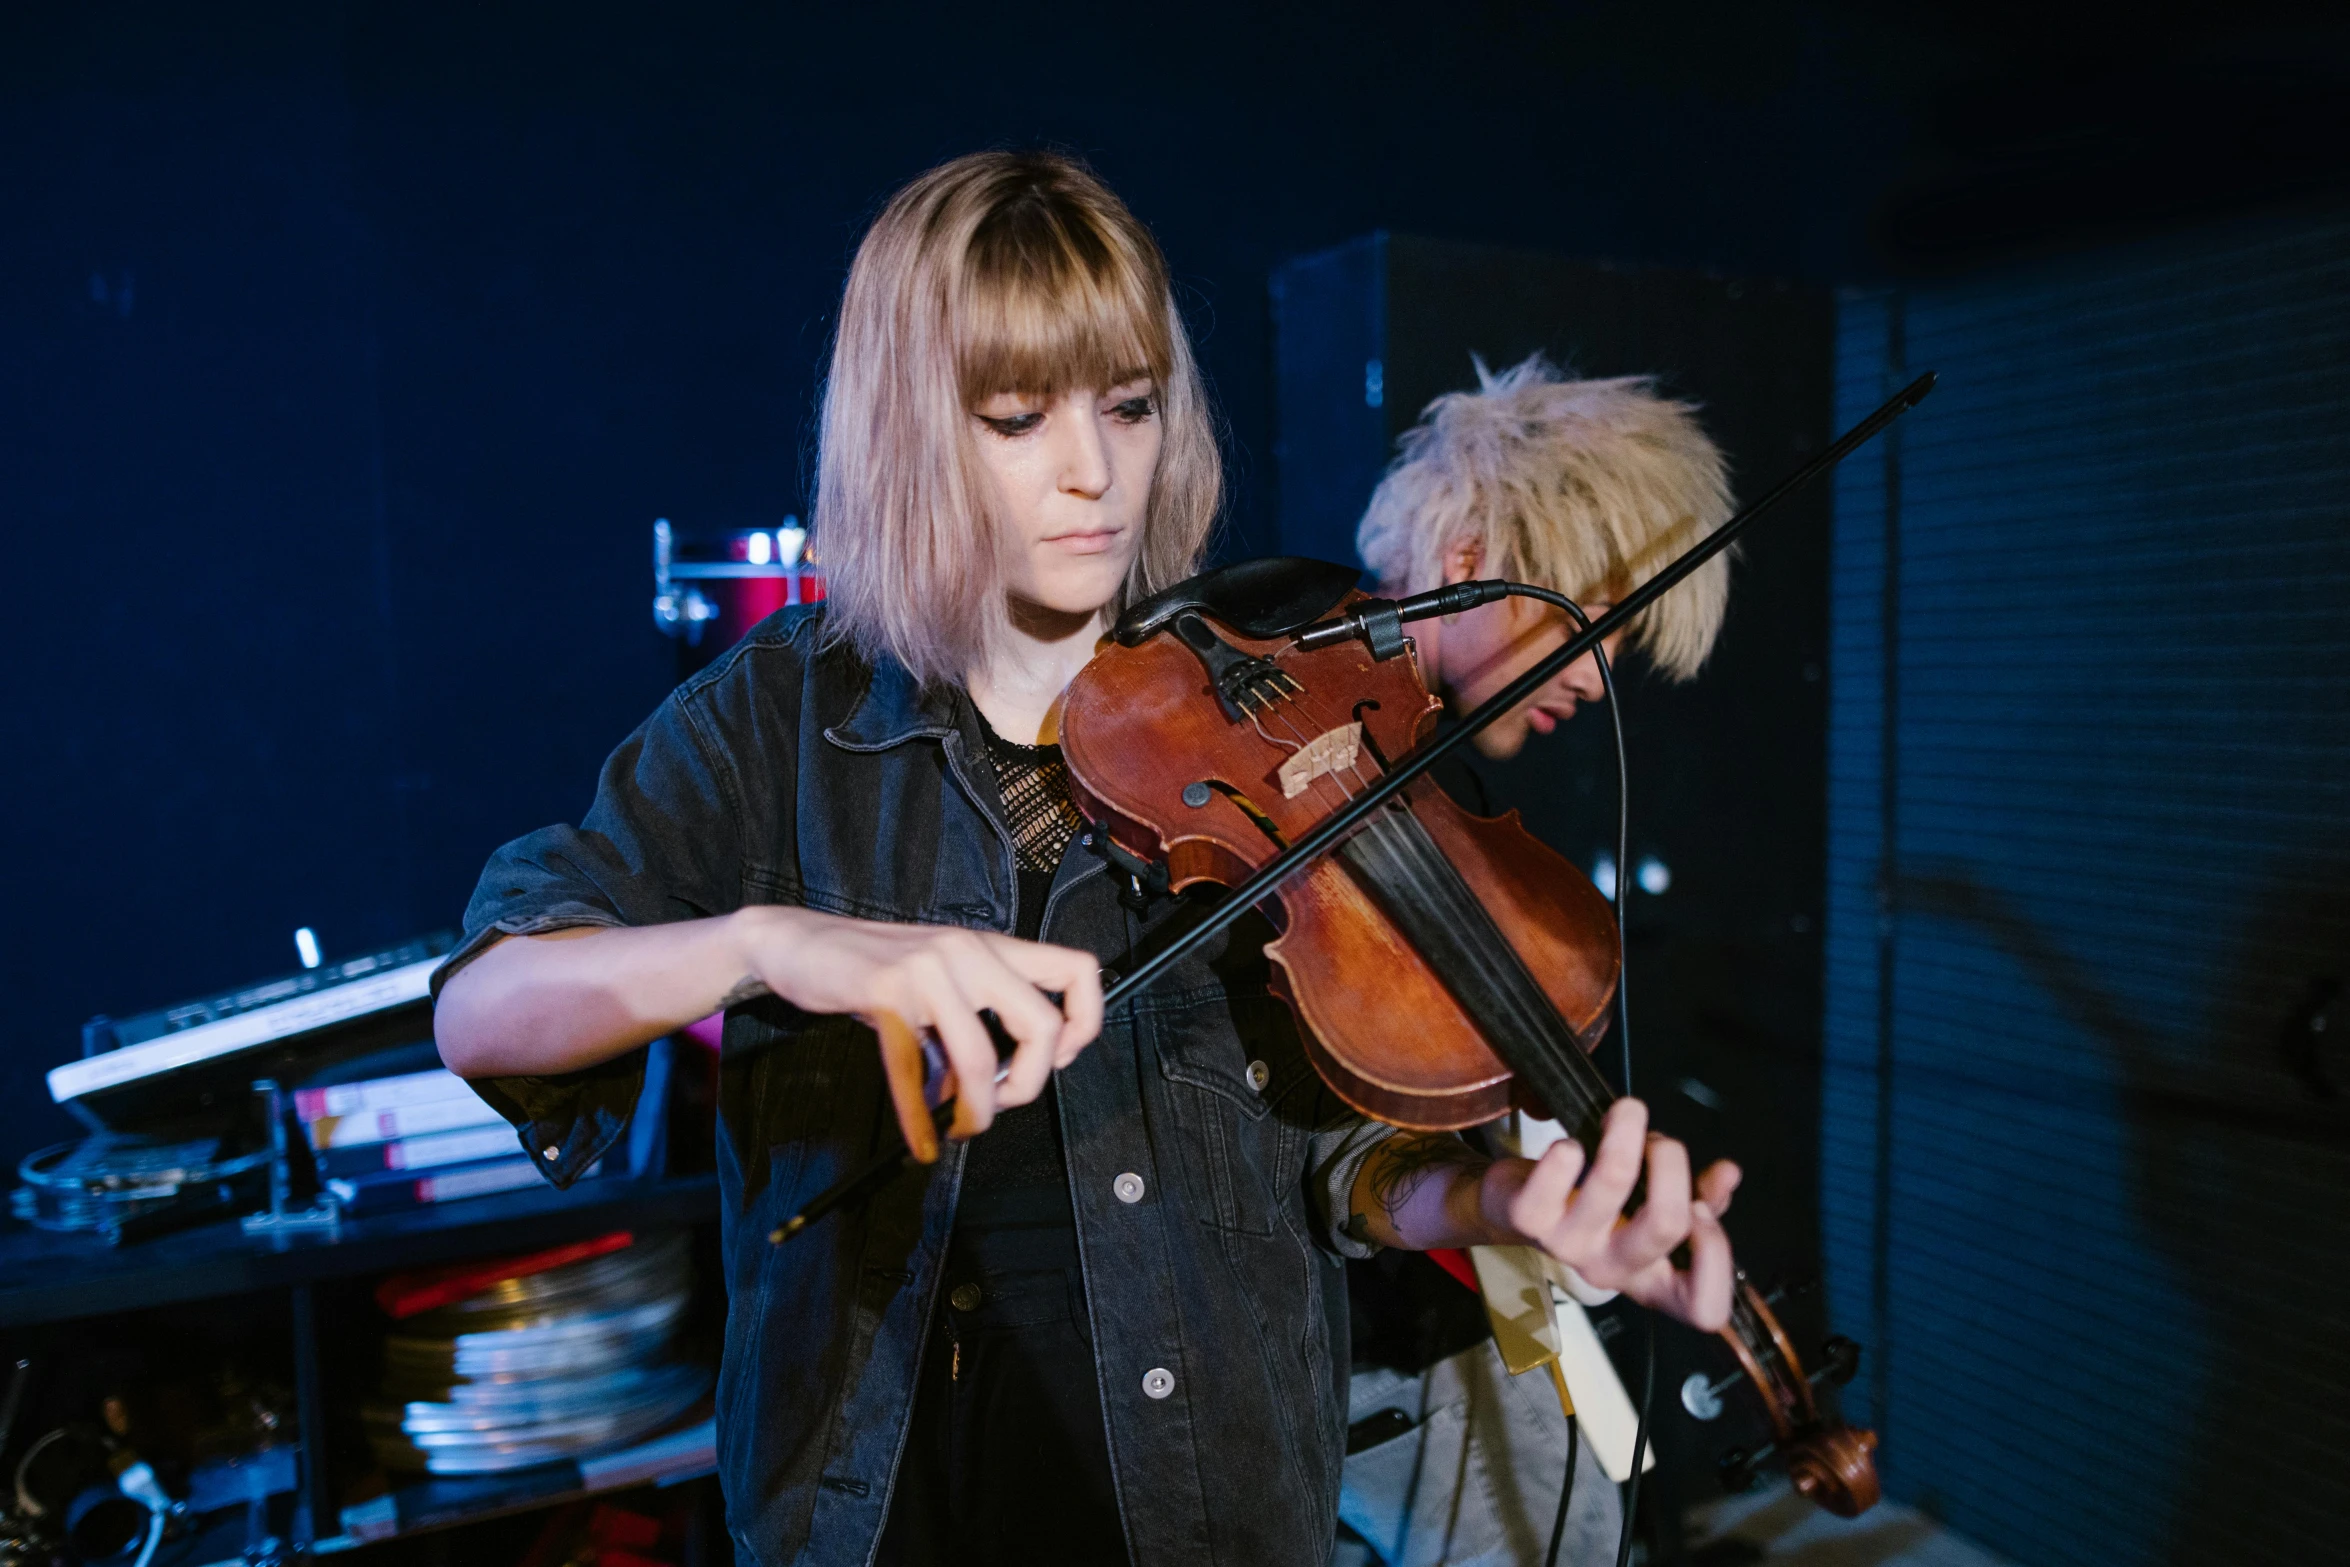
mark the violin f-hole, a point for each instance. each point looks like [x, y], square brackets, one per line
[1370, 741]
[1250, 809]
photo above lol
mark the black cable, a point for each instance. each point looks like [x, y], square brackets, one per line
[1615, 709]
[1558, 1525]
[1639, 1449]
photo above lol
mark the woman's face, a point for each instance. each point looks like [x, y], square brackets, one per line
[1070, 477]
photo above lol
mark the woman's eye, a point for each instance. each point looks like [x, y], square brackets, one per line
[1134, 410]
[1012, 424]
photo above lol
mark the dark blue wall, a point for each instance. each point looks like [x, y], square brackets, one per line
[2087, 1143]
[347, 351]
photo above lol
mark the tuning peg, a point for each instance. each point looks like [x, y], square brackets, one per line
[1703, 1399]
[1802, 1287]
[1839, 1360]
[1741, 1469]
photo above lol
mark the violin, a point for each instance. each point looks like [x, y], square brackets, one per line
[1266, 727]
[1442, 967]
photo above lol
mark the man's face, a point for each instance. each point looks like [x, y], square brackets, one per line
[1482, 650]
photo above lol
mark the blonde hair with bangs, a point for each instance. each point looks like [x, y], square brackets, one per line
[1587, 488]
[997, 272]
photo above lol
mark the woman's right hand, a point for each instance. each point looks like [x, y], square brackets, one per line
[905, 980]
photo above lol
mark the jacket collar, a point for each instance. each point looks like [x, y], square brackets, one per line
[893, 708]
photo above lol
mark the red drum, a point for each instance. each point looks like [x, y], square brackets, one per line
[711, 587]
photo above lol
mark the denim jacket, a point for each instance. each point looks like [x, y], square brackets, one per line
[792, 772]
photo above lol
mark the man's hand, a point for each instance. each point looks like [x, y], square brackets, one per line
[1420, 1193]
[1585, 1226]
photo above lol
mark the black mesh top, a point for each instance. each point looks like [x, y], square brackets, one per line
[1014, 1175]
[1038, 807]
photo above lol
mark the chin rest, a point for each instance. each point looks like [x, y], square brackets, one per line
[1260, 599]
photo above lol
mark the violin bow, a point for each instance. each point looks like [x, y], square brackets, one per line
[1245, 897]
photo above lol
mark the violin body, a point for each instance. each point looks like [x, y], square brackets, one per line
[1177, 775]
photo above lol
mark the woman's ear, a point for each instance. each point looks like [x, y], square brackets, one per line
[1462, 561]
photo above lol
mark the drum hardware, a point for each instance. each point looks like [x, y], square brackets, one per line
[676, 612]
[727, 580]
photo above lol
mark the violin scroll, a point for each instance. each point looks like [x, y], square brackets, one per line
[1827, 1461]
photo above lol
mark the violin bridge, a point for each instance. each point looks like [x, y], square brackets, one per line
[1332, 752]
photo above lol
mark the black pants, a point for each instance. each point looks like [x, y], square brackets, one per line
[1008, 1460]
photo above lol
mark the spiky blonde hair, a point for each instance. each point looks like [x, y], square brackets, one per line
[1583, 487]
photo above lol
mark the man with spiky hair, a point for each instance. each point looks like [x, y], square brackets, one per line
[1587, 488]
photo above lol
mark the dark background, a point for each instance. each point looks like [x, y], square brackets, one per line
[347, 351]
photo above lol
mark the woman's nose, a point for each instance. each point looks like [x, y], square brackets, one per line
[1085, 457]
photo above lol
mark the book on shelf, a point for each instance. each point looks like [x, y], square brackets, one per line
[428, 1151]
[383, 1126]
[435, 1086]
[391, 1190]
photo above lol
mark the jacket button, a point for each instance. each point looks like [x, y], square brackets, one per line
[1158, 1381]
[965, 1297]
[1259, 1075]
[1128, 1187]
[550, 1153]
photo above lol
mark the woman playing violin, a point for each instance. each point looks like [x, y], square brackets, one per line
[1100, 1330]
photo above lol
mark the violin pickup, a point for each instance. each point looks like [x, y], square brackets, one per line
[1334, 751]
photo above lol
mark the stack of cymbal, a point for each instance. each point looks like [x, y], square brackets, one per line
[546, 1366]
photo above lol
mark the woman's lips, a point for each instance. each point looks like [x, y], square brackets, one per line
[1093, 543]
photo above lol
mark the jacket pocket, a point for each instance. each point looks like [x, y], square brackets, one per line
[1227, 1061]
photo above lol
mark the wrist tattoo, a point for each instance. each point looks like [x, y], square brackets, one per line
[1404, 1164]
[748, 988]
